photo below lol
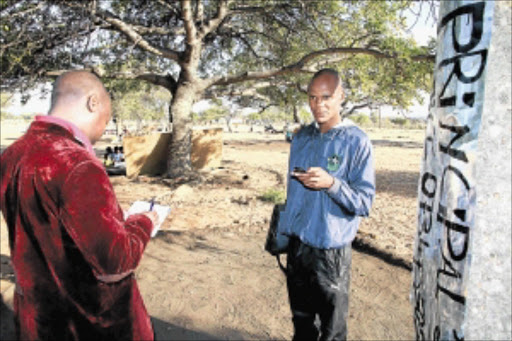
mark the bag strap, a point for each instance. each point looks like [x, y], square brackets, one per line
[283, 268]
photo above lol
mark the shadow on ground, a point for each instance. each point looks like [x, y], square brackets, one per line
[191, 241]
[400, 144]
[397, 182]
[252, 142]
[163, 330]
[168, 331]
[361, 246]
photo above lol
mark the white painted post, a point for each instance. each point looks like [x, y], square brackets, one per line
[459, 237]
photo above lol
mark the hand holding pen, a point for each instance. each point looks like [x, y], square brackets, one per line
[152, 214]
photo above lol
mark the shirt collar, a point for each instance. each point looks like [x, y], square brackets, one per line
[344, 123]
[73, 129]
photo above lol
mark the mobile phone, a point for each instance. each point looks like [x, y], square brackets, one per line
[299, 170]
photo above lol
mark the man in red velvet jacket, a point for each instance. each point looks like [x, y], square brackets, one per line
[72, 251]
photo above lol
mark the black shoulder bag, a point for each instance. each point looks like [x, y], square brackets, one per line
[276, 243]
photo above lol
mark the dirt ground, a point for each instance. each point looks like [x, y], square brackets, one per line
[206, 275]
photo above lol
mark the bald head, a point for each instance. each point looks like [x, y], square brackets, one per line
[81, 98]
[329, 74]
[74, 86]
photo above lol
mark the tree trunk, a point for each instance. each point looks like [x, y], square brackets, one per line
[380, 118]
[296, 117]
[178, 163]
[228, 124]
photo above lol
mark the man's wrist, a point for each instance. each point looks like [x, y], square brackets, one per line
[334, 188]
[332, 182]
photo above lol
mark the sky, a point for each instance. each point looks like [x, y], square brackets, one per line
[422, 30]
[37, 103]
[424, 27]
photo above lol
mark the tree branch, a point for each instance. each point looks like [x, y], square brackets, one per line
[129, 31]
[265, 107]
[299, 65]
[313, 67]
[248, 9]
[168, 6]
[188, 22]
[16, 41]
[236, 93]
[25, 12]
[166, 81]
[249, 46]
[211, 25]
[356, 107]
[268, 36]
[319, 32]
[141, 29]
[8, 5]
[301, 90]
[199, 11]
[357, 50]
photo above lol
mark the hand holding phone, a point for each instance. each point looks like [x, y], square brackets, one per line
[315, 178]
[299, 170]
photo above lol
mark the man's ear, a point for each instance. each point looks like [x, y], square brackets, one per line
[93, 103]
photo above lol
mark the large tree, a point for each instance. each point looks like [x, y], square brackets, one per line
[195, 48]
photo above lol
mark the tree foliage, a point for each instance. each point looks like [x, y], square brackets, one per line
[213, 113]
[148, 104]
[258, 52]
[368, 79]
[241, 41]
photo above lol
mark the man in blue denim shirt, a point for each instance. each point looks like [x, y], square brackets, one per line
[331, 184]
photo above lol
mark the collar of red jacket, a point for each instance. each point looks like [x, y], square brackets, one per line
[73, 129]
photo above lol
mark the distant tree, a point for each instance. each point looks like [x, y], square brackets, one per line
[273, 115]
[374, 117]
[400, 121]
[148, 104]
[213, 113]
[193, 47]
[304, 116]
[254, 117]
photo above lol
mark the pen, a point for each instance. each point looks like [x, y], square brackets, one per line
[151, 204]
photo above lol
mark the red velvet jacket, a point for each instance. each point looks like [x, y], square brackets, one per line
[73, 253]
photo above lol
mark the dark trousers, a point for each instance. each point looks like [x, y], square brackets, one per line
[318, 285]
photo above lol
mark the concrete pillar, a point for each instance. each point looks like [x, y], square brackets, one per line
[489, 293]
[461, 272]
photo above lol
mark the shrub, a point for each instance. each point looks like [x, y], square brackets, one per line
[273, 195]
[400, 121]
[361, 120]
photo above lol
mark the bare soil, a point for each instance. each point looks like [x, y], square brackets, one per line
[206, 275]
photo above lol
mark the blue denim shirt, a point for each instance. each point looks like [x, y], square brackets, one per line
[329, 218]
